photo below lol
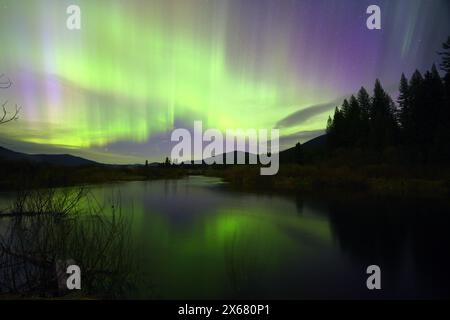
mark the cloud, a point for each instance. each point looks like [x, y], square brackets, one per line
[300, 116]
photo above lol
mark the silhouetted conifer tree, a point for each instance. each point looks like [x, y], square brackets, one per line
[382, 120]
[354, 122]
[417, 102]
[298, 153]
[336, 128]
[404, 115]
[421, 119]
[364, 104]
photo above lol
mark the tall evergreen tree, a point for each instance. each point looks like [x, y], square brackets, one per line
[336, 129]
[344, 132]
[422, 116]
[331, 132]
[364, 104]
[345, 108]
[416, 100]
[298, 153]
[329, 129]
[353, 121]
[404, 116]
[354, 111]
[382, 120]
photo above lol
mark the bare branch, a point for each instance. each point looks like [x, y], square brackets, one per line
[5, 118]
[5, 84]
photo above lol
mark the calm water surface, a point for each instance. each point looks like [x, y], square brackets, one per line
[198, 239]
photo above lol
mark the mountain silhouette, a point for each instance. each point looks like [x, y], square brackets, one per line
[289, 155]
[53, 159]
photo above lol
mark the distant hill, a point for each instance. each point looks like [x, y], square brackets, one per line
[313, 146]
[54, 159]
[236, 153]
[318, 143]
[289, 155]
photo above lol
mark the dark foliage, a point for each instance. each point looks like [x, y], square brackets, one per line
[417, 127]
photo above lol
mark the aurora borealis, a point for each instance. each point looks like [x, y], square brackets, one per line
[114, 90]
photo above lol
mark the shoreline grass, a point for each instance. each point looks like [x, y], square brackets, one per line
[379, 180]
[371, 180]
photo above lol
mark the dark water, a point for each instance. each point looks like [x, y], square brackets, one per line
[201, 240]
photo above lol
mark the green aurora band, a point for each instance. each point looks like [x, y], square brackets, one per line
[137, 69]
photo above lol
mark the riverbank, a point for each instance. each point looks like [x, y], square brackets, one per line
[216, 233]
[376, 180]
[373, 180]
[26, 176]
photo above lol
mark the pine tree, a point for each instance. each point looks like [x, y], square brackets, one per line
[404, 106]
[344, 129]
[354, 109]
[404, 110]
[331, 130]
[393, 122]
[329, 125]
[416, 98]
[380, 103]
[364, 104]
[435, 76]
[422, 116]
[335, 129]
[382, 120]
[345, 108]
[353, 122]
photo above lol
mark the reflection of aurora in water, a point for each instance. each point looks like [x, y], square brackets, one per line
[229, 251]
[197, 239]
[200, 241]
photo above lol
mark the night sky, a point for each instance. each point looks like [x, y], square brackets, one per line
[114, 90]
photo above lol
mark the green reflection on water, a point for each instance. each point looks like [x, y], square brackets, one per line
[225, 250]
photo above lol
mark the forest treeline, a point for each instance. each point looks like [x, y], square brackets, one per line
[417, 124]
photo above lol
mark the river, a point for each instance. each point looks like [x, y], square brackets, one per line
[200, 239]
